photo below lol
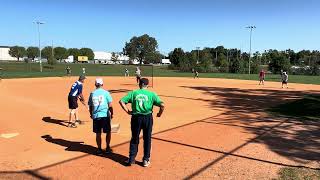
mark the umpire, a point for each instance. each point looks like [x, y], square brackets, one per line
[142, 101]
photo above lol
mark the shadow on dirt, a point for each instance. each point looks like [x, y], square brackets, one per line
[114, 91]
[55, 121]
[294, 137]
[80, 147]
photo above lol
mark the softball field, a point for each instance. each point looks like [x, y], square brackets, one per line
[210, 129]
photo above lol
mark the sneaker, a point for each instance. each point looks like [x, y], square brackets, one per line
[129, 162]
[109, 150]
[79, 122]
[99, 152]
[146, 163]
[72, 125]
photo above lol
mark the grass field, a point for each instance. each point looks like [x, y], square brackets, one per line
[24, 70]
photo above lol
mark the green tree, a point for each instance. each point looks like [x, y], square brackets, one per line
[60, 53]
[153, 57]
[205, 61]
[114, 57]
[279, 63]
[17, 52]
[46, 52]
[32, 52]
[74, 52]
[176, 56]
[87, 52]
[139, 47]
[221, 59]
[236, 66]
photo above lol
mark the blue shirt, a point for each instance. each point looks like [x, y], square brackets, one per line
[100, 100]
[76, 89]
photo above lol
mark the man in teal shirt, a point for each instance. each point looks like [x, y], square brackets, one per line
[142, 102]
[101, 111]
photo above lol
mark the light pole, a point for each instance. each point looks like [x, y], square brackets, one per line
[198, 54]
[40, 60]
[250, 27]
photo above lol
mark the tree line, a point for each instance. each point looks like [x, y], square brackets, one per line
[52, 55]
[220, 59]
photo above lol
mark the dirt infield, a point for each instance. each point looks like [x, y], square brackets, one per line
[211, 128]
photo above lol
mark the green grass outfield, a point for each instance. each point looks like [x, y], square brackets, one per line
[26, 70]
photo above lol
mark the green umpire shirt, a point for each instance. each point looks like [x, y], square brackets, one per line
[142, 101]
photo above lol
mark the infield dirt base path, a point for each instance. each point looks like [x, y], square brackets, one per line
[211, 128]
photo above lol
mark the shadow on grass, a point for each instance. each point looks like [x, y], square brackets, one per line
[305, 109]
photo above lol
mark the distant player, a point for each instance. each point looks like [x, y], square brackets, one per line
[196, 74]
[101, 111]
[84, 71]
[68, 69]
[74, 94]
[285, 79]
[262, 76]
[126, 73]
[138, 74]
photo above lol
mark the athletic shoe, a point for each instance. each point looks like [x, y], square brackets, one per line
[146, 163]
[109, 150]
[99, 152]
[72, 125]
[129, 162]
[79, 121]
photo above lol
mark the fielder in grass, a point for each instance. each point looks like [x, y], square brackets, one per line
[126, 73]
[75, 94]
[138, 74]
[101, 111]
[142, 102]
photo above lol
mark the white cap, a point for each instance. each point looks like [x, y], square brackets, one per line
[99, 81]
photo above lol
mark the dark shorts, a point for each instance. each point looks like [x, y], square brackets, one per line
[284, 82]
[73, 102]
[103, 123]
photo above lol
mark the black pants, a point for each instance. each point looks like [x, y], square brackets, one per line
[145, 123]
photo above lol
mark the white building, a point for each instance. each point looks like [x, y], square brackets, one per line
[165, 61]
[4, 54]
[106, 58]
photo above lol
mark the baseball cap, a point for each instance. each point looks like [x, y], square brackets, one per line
[82, 77]
[99, 81]
[144, 81]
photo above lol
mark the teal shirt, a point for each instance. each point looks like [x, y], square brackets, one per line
[100, 100]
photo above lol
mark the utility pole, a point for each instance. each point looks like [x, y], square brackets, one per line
[250, 27]
[52, 52]
[198, 54]
[40, 60]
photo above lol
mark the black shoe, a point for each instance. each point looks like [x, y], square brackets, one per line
[99, 152]
[109, 150]
[129, 162]
[79, 122]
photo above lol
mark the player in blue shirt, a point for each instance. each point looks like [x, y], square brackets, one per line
[74, 94]
[101, 111]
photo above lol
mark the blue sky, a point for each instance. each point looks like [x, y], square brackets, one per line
[107, 25]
